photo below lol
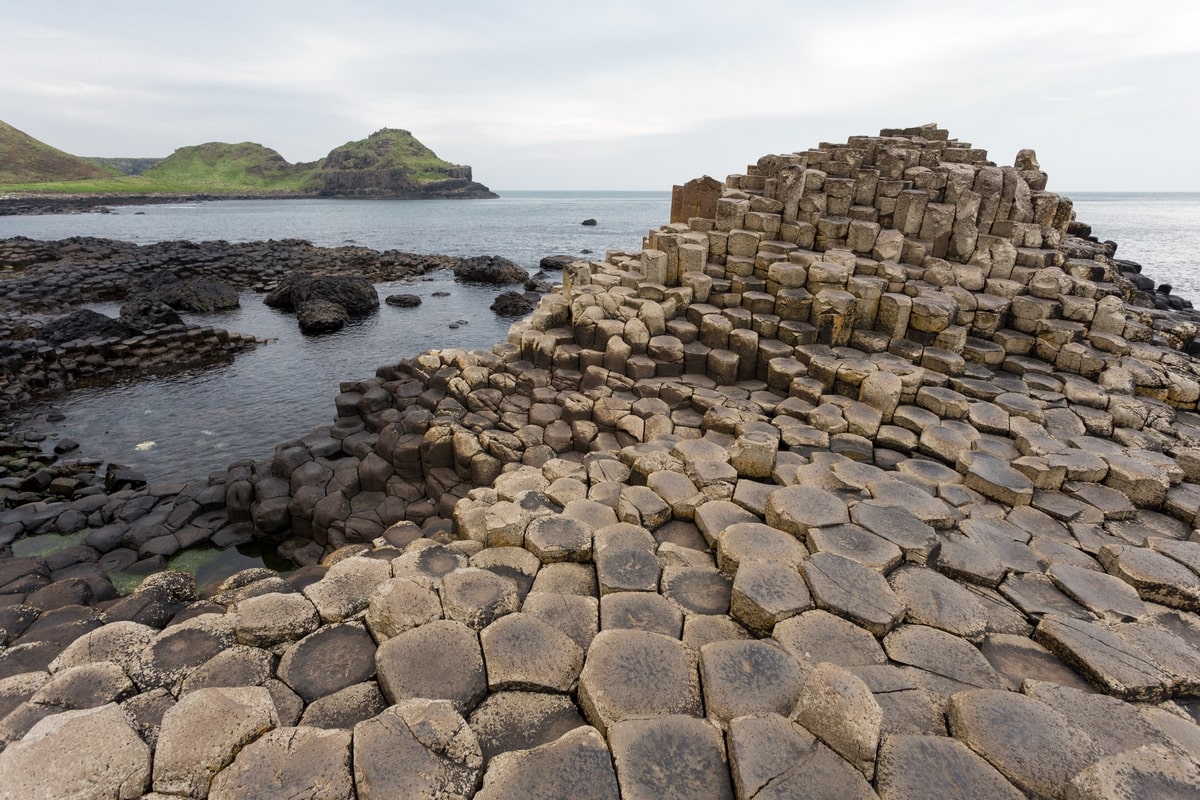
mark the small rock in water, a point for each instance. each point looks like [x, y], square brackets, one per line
[66, 446]
[588, 221]
[55, 416]
[586, 251]
[441, 294]
[403, 300]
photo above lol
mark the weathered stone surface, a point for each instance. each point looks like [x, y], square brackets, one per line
[272, 619]
[1150, 771]
[795, 509]
[575, 615]
[899, 526]
[767, 592]
[942, 654]
[347, 587]
[756, 541]
[88, 753]
[853, 591]
[416, 748]
[85, 686]
[748, 677]
[817, 635]
[640, 611]
[441, 661]
[935, 600]
[673, 756]
[508, 721]
[521, 651]
[992, 477]
[118, 642]
[576, 765]
[630, 673]
[345, 708]
[773, 758]
[839, 709]
[1028, 742]
[1156, 577]
[697, 590]
[1018, 658]
[203, 732]
[477, 597]
[935, 767]
[856, 544]
[290, 762]
[1107, 660]
[329, 660]
[559, 538]
[1099, 593]
[398, 605]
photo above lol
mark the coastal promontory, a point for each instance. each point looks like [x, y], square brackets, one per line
[390, 163]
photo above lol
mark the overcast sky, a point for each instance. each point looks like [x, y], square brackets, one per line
[616, 95]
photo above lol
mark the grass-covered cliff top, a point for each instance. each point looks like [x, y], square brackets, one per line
[23, 159]
[389, 162]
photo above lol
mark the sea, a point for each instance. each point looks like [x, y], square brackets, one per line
[185, 425]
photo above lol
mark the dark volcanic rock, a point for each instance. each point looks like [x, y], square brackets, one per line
[197, 295]
[353, 293]
[589, 221]
[555, 262]
[145, 313]
[85, 324]
[321, 316]
[490, 269]
[513, 304]
[403, 300]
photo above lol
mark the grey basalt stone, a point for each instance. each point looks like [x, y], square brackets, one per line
[577, 764]
[935, 600]
[508, 721]
[853, 591]
[345, 708]
[630, 673]
[105, 758]
[941, 653]
[935, 767]
[1032, 745]
[85, 686]
[442, 661]
[816, 636]
[399, 604]
[476, 597]
[669, 757]
[328, 660]
[743, 677]
[521, 651]
[416, 748]
[272, 619]
[347, 587]
[774, 758]
[204, 731]
[295, 763]
[839, 709]
[765, 593]
[642, 611]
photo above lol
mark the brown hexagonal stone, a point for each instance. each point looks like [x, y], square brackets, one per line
[328, 661]
[669, 757]
[576, 765]
[630, 673]
[853, 591]
[936, 767]
[441, 660]
[773, 758]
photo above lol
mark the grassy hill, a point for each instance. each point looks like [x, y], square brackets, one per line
[388, 163]
[23, 159]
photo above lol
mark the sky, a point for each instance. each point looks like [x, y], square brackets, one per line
[616, 95]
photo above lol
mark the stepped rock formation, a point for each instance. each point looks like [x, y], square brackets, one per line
[863, 477]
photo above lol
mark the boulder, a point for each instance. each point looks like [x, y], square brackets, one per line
[513, 304]
[85, 324]
[556, 262]
[490, 269]
[145, 313]
[321, 316]
[403, 300]
[198, 295]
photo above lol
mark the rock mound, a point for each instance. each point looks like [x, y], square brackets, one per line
[490, 269]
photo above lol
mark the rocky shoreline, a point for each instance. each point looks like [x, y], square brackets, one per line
[868, 475]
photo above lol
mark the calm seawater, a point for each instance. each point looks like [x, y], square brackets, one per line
[183, 426]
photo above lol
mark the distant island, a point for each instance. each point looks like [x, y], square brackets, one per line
[390, 163]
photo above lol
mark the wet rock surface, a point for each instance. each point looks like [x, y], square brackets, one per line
[866, 477]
